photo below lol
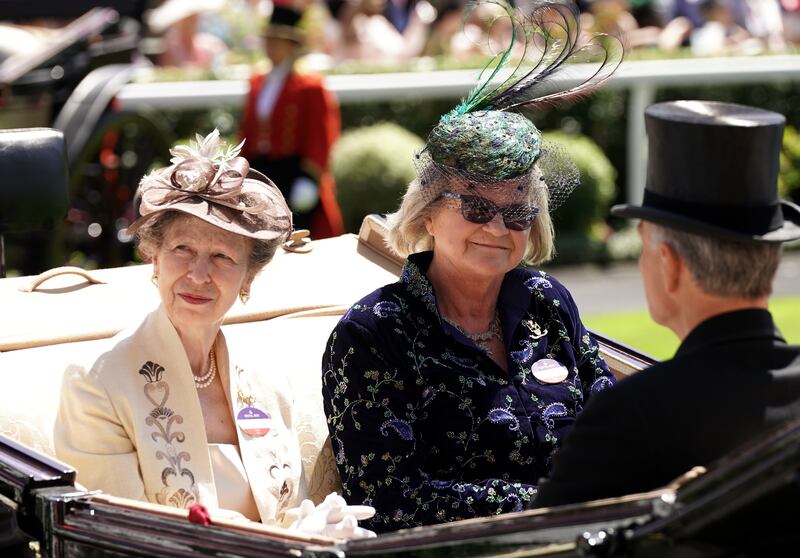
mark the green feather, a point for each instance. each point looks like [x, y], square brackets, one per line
[475, 98]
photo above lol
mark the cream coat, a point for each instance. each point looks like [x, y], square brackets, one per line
[132, 425]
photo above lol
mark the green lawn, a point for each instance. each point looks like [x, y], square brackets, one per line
[639, 331]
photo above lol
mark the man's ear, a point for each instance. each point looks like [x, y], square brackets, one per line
[672, 266]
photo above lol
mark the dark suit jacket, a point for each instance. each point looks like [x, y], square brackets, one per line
[732, 378]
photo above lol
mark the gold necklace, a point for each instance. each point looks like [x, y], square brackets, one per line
[202, 382]
[482, 339]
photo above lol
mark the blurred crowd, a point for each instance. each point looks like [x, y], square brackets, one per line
[205, 33]
[212, 34]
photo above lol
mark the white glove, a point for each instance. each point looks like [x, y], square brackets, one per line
[222, 513]
[332, 518]
[304, 194]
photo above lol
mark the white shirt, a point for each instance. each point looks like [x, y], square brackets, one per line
[272, 87]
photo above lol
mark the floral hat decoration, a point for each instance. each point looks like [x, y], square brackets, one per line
[488, 141]
[213, 183]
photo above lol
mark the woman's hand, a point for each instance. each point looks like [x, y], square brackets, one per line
[332, 518]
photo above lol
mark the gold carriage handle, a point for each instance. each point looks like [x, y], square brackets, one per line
[56, 271]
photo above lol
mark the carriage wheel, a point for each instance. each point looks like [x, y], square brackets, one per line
[103, 179]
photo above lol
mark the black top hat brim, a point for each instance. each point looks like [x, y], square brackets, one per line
[712, 169]
[790, 230]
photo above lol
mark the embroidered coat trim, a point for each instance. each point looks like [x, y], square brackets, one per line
[132, 425]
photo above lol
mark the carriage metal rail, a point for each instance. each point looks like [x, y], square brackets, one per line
[642, 78]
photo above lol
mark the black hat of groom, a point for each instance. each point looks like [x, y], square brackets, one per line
[284, 23]
[712, 169]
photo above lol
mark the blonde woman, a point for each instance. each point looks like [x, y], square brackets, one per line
[448, 393]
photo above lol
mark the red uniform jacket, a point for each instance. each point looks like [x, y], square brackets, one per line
[305, 122]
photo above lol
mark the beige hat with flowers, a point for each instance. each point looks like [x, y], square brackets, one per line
[213, 183]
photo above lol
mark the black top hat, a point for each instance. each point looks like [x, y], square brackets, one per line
[284, 24]
[712, 169]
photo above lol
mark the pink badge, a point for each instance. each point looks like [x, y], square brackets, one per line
[253, 422]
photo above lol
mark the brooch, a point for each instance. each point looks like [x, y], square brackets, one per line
[535, 329]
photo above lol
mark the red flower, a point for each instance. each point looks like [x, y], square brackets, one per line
[199, 514]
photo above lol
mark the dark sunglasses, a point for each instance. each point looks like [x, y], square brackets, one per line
[475, 209]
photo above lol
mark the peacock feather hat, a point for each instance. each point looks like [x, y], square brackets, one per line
[488, 141]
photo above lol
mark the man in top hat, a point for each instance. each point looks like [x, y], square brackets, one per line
[290, 122]
[711, 227]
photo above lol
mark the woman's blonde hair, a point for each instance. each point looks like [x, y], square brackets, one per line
[408, 234]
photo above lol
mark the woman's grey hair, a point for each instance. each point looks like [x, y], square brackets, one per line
[150, 237]
[723, 267]
[408, 235]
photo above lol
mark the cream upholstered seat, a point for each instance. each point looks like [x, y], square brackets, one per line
[31, 387]
[294, 306]
[295, 346]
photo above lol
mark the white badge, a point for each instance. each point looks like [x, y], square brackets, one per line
[549, 371]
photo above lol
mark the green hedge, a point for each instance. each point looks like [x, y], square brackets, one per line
[578, 223]
[590, 201]
[789, 179]
[372, 166]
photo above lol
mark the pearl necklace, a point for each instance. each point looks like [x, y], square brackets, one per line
[482, 339]
[202, 382]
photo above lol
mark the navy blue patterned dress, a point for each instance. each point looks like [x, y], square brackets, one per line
[425, 426]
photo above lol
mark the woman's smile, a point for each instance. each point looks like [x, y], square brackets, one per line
[489, 245]
[194, 299]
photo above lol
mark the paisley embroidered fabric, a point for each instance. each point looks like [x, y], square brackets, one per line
[425, 426]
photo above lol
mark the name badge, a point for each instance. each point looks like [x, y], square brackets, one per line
[253, 421]
[549, 371]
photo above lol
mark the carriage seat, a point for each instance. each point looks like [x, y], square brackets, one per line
[31, 386]
[295, 303]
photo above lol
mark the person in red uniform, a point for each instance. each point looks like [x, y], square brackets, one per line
[290, 122]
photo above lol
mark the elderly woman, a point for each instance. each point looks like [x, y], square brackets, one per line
[448, 392]
[171, 413]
